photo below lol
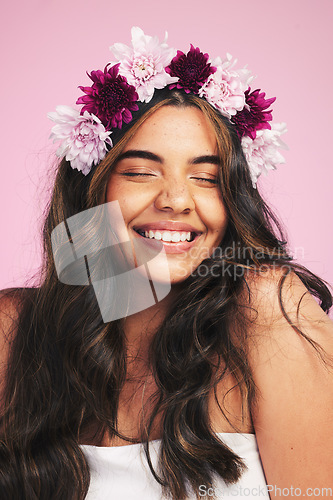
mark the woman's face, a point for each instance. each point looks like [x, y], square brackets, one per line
[166, 184]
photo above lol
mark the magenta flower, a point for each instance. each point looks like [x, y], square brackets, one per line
[254, 116]
[192, 69]
[110, 97]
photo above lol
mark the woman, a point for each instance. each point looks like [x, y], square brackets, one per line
[233, 352]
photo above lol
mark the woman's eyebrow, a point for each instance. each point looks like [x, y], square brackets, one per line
[138, 153]
[215, 160]
[148, 155]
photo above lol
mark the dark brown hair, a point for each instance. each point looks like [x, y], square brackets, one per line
[66, 367]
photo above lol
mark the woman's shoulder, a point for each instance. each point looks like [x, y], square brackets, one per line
[276, 297]
[10, 306]
[286, 327]
[11, 302]
[275, 309]
[291, 358]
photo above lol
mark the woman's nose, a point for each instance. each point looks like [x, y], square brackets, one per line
[175, 196]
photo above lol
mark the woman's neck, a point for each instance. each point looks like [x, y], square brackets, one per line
[140, 328]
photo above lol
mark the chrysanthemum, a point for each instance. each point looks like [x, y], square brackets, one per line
[262, 152]
[192, 70]
[144, 65]
[110, 97]
[225, 88]
[84, 138]
[254, 116]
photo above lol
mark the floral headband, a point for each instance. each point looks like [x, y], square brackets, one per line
[150, 65]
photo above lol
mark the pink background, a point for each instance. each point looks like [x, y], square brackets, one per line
[47, 45]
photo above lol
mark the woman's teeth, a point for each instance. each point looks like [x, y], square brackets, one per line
[173, 236]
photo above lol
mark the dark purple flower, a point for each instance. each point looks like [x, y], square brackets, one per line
[110, 97]
[192, 70]
[254, 116]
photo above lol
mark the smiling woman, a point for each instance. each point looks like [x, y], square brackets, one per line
[224, 384]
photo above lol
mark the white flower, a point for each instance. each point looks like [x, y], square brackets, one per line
[262, 153]
[144, 65]
[84, 138]
[225, 88]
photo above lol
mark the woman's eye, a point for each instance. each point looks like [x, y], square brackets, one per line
[137, 174]
[206, 179]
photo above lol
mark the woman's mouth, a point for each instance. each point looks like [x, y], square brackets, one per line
[168, 236]
[173, 240]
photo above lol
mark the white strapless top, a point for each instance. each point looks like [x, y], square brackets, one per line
[122, 472]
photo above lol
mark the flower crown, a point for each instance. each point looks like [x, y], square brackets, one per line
[150, 65]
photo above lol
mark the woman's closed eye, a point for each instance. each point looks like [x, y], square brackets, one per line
[209, 180]
[139, 174]
[142, 175]
[133, 174]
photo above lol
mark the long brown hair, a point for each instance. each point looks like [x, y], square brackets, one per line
[66, 367]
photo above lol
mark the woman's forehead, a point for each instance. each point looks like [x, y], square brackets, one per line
[176, 127]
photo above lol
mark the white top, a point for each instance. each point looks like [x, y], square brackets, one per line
[122, 472]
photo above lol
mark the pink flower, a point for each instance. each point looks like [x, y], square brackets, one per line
[262, 152]
[144, 64]
[84, 138]
[225, 88]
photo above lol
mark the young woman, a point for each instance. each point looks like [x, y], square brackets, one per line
[223, 384]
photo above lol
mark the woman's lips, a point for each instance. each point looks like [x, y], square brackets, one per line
[170, 247]
[166, 225]
[163, 232]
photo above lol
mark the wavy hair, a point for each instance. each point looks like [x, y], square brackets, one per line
[66, 367]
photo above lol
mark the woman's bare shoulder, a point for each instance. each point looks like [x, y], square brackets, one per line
[11, 301]
[277, 298]
[285, 322]
[294, 379]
